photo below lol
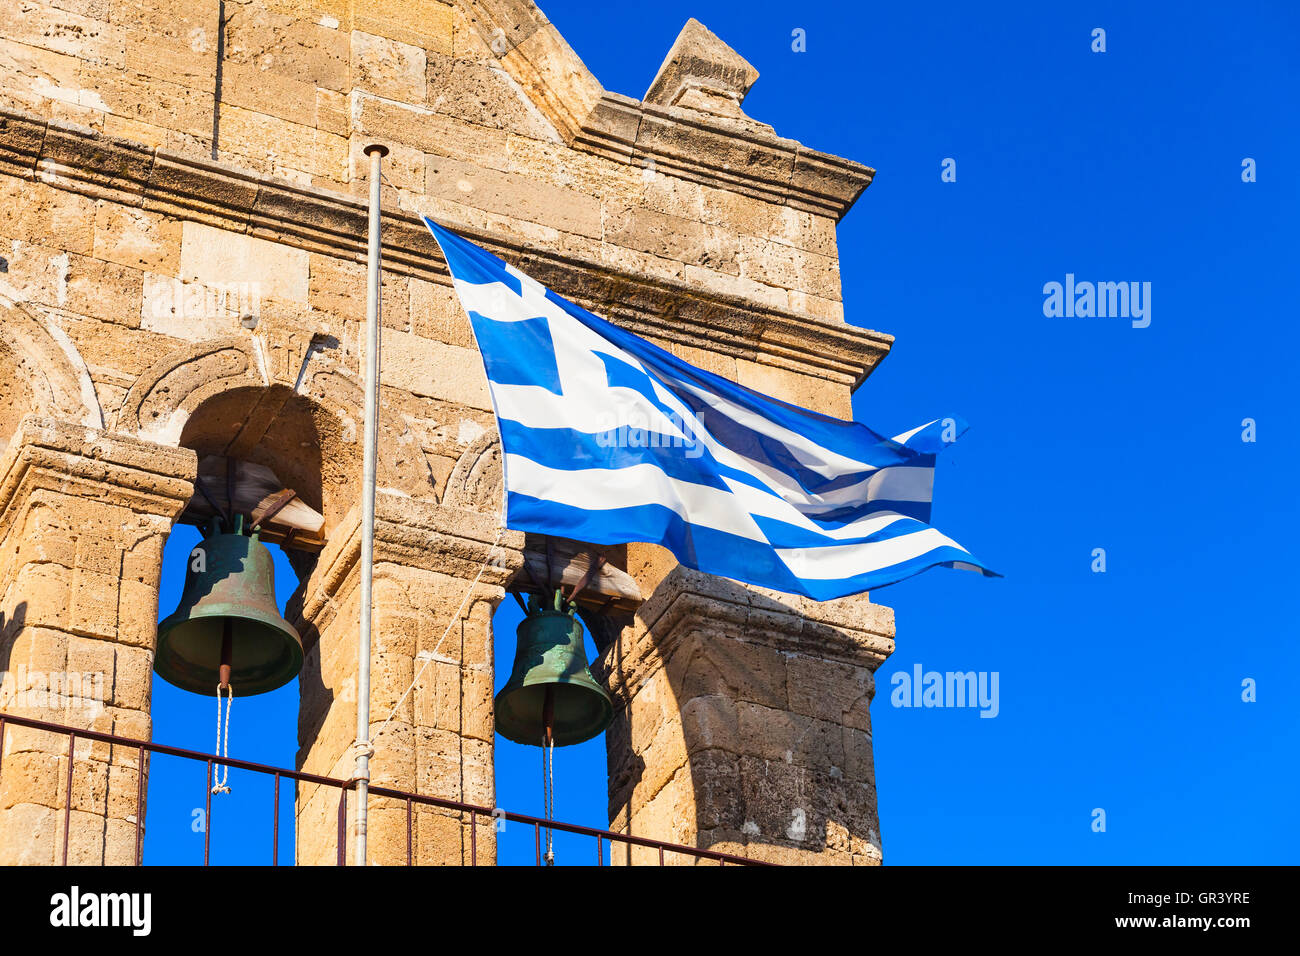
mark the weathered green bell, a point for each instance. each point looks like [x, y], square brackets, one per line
[227, 628]
[551, 686]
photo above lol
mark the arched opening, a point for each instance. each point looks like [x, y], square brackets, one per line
[280, 432]
[580, 777]
[263, 729]
[606, 595]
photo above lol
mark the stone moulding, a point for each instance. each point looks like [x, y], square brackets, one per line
[45, 357]
[851, 631]
[734, 154]
[83, 460]
[412, 534]
[80, 160]
[739, 154]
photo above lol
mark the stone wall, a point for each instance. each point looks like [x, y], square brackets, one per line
[182, 265]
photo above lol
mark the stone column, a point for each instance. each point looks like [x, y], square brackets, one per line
[439, 742]
[742, 723]
[83, 519]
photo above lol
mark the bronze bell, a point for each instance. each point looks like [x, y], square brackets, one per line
[551, 686]
[227, 628]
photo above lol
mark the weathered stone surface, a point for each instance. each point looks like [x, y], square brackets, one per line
[699, 59]
[735, 732]
[182, 238]
[82, 518]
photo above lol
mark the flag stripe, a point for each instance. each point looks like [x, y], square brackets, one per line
[609, 439]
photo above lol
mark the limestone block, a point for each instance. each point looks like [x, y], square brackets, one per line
[436, 314]
[427, 24]
[388, 67]
[831, 691]
[702, 665]
[136, 238]
[298, 48]
[516, 196]
[442, 840]
[425, 367]
[672, 237]
[189, 59]
[218, 257]
[28, 836]
[483, 94]
[147, 99]
[32, 77]
[820, 395]
[699, 59]
[428, 131]
[43, 25]
[264, 91]
[332, 112]
[32, 212]
[829, 310]
[339, 286]
[33, 777]
[282, 148]
[777, 264]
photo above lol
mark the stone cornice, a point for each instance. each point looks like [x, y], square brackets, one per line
[80, 160]
[733, 153]
[736, 154]
[410, 533]
[76, 459]
[852, 630]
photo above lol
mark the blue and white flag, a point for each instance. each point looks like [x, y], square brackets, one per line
[610, 439]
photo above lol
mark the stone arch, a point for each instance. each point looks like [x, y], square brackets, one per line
[475, 483]
[220, 397]
[47, 374]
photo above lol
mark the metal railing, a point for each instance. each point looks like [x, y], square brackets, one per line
[477, 815]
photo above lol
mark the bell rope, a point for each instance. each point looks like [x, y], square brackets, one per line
[223, 746]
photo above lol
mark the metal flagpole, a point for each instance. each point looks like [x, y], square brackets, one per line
[376, 152]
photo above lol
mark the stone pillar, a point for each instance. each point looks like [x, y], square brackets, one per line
[83, 519]
[742, 723]
[439, 742]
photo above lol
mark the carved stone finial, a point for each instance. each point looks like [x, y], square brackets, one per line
[701, 72]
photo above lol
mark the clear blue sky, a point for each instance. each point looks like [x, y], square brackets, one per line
[1119, 690]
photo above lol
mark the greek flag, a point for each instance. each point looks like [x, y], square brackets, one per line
[609, 439]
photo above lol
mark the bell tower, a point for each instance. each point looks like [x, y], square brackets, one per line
[182, 287]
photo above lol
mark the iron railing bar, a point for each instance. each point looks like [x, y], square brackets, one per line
[139, 805]
[473, 838]
[661, 856]
[408, 831]
[170, 751]
[275, 824]
[302, 777]
[67, 807]
[576, 828]
[537, 836]
[207, 815]
[2, 742]
[600, 852]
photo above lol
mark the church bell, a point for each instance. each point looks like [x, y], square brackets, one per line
[227, 628]
[551, 686]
